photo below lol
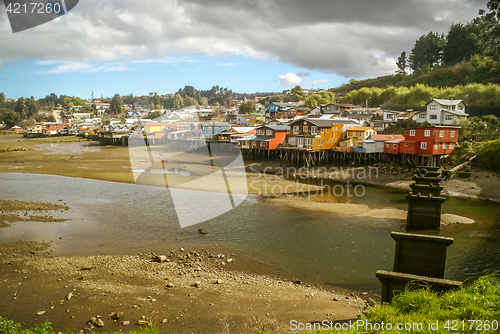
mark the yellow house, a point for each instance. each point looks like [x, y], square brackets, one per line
[359, 133]
[316, 134]
[256, 118]
[154, 127]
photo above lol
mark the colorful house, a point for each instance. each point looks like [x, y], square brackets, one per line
[317, 134]
[428, 141]
[268, 137]
[442, 112]
[375, 143]
[256, 118]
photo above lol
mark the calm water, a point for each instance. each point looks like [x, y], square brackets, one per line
[115, 218]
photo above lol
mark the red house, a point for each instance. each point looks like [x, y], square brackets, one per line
[434, 140]
[268, 137]
[392, 146]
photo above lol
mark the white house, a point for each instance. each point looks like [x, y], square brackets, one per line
[442, 112]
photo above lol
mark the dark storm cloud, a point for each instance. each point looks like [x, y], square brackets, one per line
[351, 38]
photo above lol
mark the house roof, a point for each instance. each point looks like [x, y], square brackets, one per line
[360, 128]
[386, 137]
[277, 127]
[395, 141]
[325, 122]
[446, 102]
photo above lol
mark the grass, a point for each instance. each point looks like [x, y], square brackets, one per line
[471, 309]
[487, 154]
[10, 327]
[64, 139]
[8, 148]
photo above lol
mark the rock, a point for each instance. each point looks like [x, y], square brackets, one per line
[142, 322]
[298, 282]
[41, 312]
[164, 321]
[161, 258]
[97, 322]
[196, 284]
[170, 285]
[86, 268]
[202, 231]
[125, 323]
[118, 315]
[218, 281]
[371, 302]
[229, 260]
[69, 295]
[364, 293]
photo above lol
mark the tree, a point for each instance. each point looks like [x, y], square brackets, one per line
[10, 118]
[116, 105]
[21, 108]
[155, 102]
[32, 106]
[178, 101]
[297, 93]
[247, 107]
[156, 114]
[51, 119]
[427, 50]
[2, 99]
[402, 64]
[461, 44]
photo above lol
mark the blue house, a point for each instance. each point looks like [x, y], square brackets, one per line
[213, 128]
[273, 110]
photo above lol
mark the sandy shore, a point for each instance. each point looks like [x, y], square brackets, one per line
[191, 291]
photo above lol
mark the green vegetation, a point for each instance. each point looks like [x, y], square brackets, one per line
[487, 154]
[475, 308]
[417, 96]
[65, 139]
[10, 327]
[8, 148]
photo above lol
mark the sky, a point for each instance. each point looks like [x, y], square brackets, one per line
[141, 46]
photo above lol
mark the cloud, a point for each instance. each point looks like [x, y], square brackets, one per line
[289, 79]
[349, 38]
[318, 82]
[227, 64]
[71, 66]
[303, 74]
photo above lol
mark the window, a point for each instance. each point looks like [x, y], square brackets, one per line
[327, 130]
[433, 116]
[320, 142]
[452, 145]
[449, 117]
[269, 132]
[453, 108]
[406, 144]
[292, 141]
[433, 107]
[296, 129]
[421, 116]
[254, 144]
[394, 146]
[387, 145]
[444, 146]
[314, 130]
[460, 107]
[423, 145]
[436, 146]
[441, 134]
[260, 132]
[328, 108]
[263, 144]
[412, 132]
[427, 133]
[452, 134]
[309, 141]
[305, 128]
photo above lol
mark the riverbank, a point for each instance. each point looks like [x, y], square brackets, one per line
[184, 291]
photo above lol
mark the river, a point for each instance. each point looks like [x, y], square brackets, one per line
[345, 251]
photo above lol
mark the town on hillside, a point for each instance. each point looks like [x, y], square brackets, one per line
[429, 136]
